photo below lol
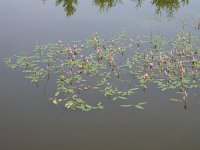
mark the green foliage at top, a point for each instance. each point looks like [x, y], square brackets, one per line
[161, 5]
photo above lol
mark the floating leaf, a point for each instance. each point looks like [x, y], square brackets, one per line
[121, 97]
[126, 106]
[69, 104]
[55, 102]
[139, 105]
[57, 93]
[175, 100]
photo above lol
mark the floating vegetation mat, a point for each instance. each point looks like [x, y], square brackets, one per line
[117, 68]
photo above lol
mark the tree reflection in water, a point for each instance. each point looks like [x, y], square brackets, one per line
[170, 6]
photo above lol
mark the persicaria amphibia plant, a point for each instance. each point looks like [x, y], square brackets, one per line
[102, 66]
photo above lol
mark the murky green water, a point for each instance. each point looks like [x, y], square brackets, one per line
[28, 120]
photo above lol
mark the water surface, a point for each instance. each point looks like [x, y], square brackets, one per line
[29, 121]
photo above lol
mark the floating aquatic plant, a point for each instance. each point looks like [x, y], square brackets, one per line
[117, 68]
[138, 105]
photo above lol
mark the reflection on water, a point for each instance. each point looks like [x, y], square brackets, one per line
[170, 6]
[106, 4]
[69, 6]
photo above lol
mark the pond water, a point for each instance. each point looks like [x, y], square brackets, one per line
[28, 120]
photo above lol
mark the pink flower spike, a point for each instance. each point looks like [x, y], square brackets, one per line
[151, 65]
[60, 100]
[186, 94]
[146, 76]
[138, 37]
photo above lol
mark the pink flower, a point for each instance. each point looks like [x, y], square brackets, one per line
[113, 42]
[74, 46]
[185, 94]
[151, 65]
[138, 37]
[146, 76]
[86, 59]
[167, 74]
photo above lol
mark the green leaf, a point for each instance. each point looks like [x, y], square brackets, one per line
[57, 93]
[100, 105]
[139, 107]
[175, 100]
[142, 103]
[121, 97]
[126, 105]
[115, 98]
[55, 102]
[69, 104]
